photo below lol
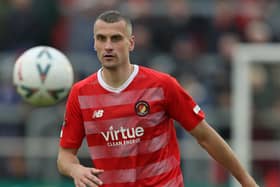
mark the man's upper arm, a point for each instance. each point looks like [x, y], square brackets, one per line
[201, 131]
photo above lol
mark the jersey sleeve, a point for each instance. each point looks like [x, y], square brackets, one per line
[72, 132]
[181, 106]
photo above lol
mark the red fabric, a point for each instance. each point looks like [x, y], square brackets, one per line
[272, 178]
[131, 134]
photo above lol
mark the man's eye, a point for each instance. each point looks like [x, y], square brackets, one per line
[116, 38]
[101, 38]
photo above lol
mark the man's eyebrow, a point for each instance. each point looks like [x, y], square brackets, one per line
[113, 35]
[100, 35]
[116, 35]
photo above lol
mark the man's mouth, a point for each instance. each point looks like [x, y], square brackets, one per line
[108, 56]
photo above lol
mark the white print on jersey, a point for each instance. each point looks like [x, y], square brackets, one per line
[196, 109]
[97, 114]
[61, 133]
[62, 126]
[122, 136]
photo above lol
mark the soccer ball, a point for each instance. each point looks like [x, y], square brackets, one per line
[43, 76]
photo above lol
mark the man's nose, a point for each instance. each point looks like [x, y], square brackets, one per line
[108, 45]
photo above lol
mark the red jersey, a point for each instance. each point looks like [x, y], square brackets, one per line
[129, 130]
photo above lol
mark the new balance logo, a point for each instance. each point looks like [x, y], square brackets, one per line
[97, 114]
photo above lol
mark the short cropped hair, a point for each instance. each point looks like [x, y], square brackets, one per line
[113, 16]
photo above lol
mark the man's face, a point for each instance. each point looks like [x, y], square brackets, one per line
[112, 43]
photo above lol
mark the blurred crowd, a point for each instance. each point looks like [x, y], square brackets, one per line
[192, 40]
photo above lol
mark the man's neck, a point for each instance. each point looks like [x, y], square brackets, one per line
[116, 77]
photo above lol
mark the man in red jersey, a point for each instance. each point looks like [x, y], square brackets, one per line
[126, 114]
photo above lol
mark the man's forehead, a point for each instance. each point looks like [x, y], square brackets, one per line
[102, 27]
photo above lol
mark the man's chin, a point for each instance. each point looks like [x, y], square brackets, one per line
[109, 65]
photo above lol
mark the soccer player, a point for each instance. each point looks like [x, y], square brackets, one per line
[126, 112]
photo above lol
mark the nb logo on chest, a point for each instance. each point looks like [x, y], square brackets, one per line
[97, 114]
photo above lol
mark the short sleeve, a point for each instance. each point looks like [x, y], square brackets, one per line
[72, 131]
[181, 106]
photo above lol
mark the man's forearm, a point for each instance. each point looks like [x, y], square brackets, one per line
[224, 155]
[215, 145]
[66, 161]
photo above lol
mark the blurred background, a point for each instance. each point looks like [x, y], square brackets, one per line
[192, 40]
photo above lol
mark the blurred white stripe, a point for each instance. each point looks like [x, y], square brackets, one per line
[48, 146]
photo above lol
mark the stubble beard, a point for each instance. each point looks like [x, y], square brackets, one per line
[110, 65]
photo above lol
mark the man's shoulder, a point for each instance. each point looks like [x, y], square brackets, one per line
[91, 79]
[154, 74]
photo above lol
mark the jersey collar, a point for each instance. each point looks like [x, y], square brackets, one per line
[123, 86]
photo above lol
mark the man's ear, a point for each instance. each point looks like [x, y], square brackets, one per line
[132, 43]
[93, 42]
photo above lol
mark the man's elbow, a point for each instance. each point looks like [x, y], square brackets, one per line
[58, 164]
